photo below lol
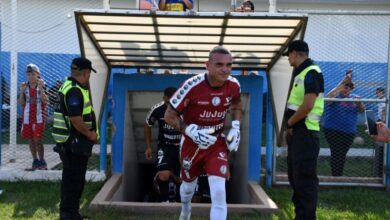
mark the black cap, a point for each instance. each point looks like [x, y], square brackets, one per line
[81, 63]
[297, 45]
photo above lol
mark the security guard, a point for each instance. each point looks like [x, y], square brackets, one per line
[304, 109]
[75, 132]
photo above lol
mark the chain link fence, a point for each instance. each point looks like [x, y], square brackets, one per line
[48, 39]
[337, 42]
[341, 42]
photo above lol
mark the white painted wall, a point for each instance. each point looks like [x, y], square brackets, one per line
[349, 38]
[46, 26]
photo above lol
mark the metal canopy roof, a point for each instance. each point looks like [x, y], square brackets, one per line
[181, 39]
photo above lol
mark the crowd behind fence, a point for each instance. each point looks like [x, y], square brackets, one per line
[337, 43]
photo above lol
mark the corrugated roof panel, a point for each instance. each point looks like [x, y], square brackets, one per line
[130, 52]
[172, 39]
[120, 28]
[126, 37]
[189, 30]
[190, 21]
[259, 31]
[264, 22]
[113, 19]
[255, 40]
[189, 39]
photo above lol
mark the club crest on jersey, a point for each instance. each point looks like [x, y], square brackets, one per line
[216, 101]
[228, 101]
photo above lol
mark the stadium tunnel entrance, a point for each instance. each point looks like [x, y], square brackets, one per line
[165, 40]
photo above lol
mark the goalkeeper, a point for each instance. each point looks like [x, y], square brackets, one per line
[198, 109]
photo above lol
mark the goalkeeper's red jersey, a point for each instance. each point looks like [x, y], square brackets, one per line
[206, 106]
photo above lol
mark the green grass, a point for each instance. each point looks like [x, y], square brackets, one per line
[40, 200]
[354, 167]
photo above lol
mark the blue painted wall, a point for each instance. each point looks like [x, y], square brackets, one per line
[56, 66]
[141, 82]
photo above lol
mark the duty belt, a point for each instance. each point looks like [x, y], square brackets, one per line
[310, 115]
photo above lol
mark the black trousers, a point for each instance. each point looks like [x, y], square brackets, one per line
[72, 185]
[303, 150]
[339, 143]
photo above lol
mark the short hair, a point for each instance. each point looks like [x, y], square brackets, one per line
[168, 92]
[380, 89]
[218, 49]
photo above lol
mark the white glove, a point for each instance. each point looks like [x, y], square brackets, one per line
[233, 137]
[201, 137]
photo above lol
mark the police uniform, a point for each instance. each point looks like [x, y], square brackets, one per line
[73, 100]
[303, 144]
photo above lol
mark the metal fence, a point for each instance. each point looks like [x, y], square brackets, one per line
[48, 39]
[339, 42]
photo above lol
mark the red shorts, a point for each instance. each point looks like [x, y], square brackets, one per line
[213, 161]
[34, 130]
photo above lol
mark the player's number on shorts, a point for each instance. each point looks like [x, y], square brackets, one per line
[160, 158]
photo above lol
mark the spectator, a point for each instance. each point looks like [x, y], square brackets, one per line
[167, 72]
[379, 146]
[247, 6]
[32, 98]
[168, 165]
[305, 105]
[340, 123]
[75, 132]
[175, 5]
[198, 109]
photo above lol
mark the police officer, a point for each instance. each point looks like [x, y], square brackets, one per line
[304, 109]
[75, 132]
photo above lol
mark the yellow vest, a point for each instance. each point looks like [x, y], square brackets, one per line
[61, 125]
[297, 95]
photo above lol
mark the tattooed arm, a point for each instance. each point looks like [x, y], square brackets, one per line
[173, 119]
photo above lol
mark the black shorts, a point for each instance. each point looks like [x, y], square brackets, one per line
[168, 159]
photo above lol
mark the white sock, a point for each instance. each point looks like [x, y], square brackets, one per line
[218, 198]
[187, 190]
